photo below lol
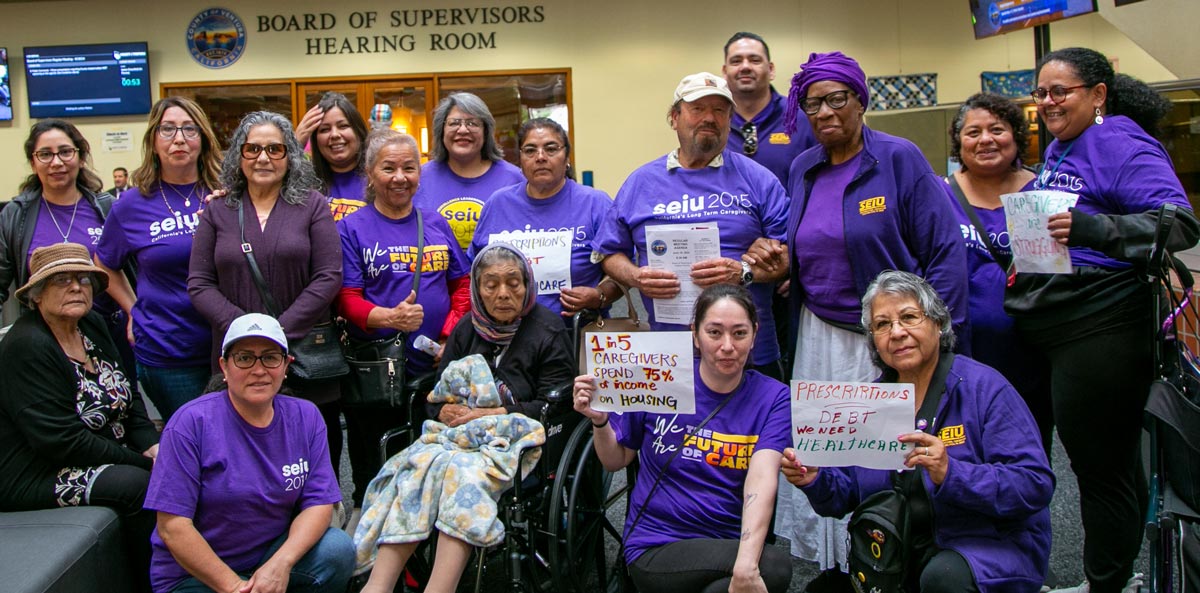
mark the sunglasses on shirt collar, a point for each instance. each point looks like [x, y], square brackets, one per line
[749, 139]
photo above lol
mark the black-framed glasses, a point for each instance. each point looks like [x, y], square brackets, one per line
[749, 139]
[245, 360]
[274, 151]
[907, 320]
[471, 124]
[530, 151]
[64, 279]
[65, 155]
[1057, 93]
[835, 100]
[168, 131]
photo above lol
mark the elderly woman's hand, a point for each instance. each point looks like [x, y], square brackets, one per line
[798, 474]
[928, 452]
[406, 316]
[585, 390]
[655, 283]
[578, 298]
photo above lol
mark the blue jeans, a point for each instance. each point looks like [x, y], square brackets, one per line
[170, 388]
[326, 568]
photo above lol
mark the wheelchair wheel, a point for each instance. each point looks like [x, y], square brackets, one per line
[585, 539]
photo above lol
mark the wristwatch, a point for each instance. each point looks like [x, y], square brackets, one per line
[747, 274]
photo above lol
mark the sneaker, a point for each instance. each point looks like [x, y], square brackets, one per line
[830, 581]
[1133, 585]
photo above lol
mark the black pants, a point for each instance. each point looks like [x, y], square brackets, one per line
[1101, 370]
[123, 488]
[948, 572]
[704, 566]
[364, 428]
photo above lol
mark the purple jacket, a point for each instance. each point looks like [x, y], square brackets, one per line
[898, 215]
[993, 506]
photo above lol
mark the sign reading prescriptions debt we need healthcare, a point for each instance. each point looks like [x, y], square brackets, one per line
[549, 254]
[642, 372]
[839, 424]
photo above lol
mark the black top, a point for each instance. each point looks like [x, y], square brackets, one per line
[538, 360]
[41, 430]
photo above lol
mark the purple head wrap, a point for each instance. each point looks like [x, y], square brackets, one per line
[831, 66]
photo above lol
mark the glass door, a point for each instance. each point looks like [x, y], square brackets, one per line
[408, 103]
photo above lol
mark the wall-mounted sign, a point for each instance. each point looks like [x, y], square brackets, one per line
[216, 37]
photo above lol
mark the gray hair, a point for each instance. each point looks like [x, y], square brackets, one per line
[475, 107]
[491, 257]
[379, 139]
[896, 283]
[298, 182]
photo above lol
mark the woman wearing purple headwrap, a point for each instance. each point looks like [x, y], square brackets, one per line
[862, 202]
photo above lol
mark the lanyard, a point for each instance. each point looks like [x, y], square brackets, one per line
[1054, 172]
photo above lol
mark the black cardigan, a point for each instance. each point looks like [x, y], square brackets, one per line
[40, 430]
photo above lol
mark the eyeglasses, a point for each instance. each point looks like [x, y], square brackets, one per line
[245, 360]
[64, 279]
[168, 131]
[907, 320]
[835, 100]
[65, 155]
[749, 139]
[1057, 93]
[472, 124]
[530, 151]
[274, 151]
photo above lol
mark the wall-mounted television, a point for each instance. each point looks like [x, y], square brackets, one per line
[5, 90]
[996, 17]
[85, 80]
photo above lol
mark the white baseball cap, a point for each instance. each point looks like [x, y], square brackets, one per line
[702, 84]
[254, 325]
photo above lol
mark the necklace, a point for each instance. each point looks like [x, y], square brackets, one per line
[173, 211]
[187, 200]
[70, 225]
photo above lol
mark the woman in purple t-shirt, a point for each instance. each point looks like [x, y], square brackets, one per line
[700, 523]
[339, 137]
[153, 226]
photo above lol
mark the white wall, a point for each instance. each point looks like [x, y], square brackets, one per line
[626, 56]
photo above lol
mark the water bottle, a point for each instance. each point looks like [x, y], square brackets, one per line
[426, 345]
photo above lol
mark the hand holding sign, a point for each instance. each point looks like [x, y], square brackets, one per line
[642, 372]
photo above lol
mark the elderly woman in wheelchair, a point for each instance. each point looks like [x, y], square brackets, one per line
[701, 527]
[499, 364]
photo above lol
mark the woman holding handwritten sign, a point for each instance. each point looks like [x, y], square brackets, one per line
[699, 522]
[985, 476]
[1096, 324]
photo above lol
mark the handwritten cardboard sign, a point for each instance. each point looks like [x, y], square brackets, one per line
[838, 424]
[1034, 250]
[642, 372]
[549, 254]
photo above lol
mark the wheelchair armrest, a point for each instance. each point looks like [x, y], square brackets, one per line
[559, 400]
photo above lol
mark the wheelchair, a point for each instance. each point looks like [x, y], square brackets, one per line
[562, 523]
[1173, 423]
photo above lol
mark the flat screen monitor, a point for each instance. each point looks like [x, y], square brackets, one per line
[85, 80]
[5, 90]
[996, 17]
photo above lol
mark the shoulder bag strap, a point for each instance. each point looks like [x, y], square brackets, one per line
[1003, 262]
[420, 251]
[248, 251]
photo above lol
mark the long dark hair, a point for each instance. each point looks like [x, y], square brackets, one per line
[1127, 95]
[87, 179]
[545, 123]
[357, 125]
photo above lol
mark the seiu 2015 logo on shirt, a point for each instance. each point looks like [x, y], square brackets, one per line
[578, 232]
[1065, 181]
[94, 233]
[295, 474]
[691, 206]
[975, 241]
[179, 222]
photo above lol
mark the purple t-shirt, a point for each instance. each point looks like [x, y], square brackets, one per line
[1115, 168]
[741, 196]
[460, 199]
[576, 208]
[700, 495]
[239, 484]
[82, 225]
[346, 193]
[776, 148]
[819, 248]
[378, 255]
[168, 330]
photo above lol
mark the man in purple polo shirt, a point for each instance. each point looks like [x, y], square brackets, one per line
[704, 182]
[757, 127]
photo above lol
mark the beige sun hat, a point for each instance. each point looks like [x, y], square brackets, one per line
[61, 257]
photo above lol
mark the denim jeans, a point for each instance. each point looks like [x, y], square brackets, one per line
[170, 388]
[326, 568]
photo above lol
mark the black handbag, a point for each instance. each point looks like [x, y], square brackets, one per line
[377, 367]
[319, 354]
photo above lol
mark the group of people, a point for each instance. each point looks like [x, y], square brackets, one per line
[841, 252]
